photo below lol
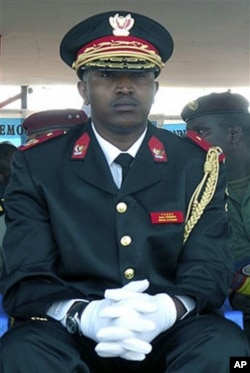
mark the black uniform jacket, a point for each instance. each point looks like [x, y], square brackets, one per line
[72, 233]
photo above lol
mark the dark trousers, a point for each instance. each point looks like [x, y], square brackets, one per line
[200, 344]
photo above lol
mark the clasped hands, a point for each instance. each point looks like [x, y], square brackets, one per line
[125, 322]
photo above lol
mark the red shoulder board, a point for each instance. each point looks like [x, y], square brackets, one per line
[202, 143]
[33, 142]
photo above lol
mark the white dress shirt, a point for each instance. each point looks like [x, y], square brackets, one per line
[111, 152]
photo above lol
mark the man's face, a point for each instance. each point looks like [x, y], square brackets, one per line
[120, 101]
[208, 128]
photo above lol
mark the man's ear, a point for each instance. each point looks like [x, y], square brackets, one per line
[82, 89]
[235, 134]
[156, 90]
[156, 86]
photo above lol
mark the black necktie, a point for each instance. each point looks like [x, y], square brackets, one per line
[124, 160]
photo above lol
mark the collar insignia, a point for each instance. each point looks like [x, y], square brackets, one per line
[81, 147]
[157, 150]
[121, 25]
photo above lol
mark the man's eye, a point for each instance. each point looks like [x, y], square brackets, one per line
[139, 74]
[106, 74]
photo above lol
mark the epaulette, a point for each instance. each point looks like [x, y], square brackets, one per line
[43, 138]
[192, 135]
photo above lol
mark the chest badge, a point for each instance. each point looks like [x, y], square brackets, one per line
[167, 217]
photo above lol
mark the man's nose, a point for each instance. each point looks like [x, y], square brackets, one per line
[124, 84]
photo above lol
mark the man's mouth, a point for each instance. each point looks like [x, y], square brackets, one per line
[125, 104]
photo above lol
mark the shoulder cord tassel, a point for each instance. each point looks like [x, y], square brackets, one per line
[209, 181]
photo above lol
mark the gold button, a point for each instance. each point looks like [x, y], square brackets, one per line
[126, 240]
[121, 207]
[129, 273]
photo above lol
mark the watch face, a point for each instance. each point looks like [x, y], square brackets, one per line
[72, 325]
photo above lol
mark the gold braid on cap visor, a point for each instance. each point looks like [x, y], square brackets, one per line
[119, 54]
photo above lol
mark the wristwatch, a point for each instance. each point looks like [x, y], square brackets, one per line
[73, 317]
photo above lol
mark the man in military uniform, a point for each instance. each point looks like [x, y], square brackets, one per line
[46, 122]
[115, 253]
[223, 119]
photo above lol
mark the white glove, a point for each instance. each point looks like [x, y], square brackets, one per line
[93, 317]
[129, 349]
[92, 324]
[114, 341]
[128, 291]
[160, 309]
[131, 287]
[119, 341]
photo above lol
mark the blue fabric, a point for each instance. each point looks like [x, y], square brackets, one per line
[3, 319]
[233, 315]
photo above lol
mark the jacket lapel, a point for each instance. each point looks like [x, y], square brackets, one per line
[146, 167]
[145, 170]
[93, 167]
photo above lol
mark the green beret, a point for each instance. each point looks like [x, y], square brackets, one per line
[215, 103]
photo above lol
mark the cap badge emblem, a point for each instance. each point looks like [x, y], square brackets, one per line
[121, 25]
[193, 105]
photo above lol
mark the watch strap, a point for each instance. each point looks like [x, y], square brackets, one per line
[73, 317]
